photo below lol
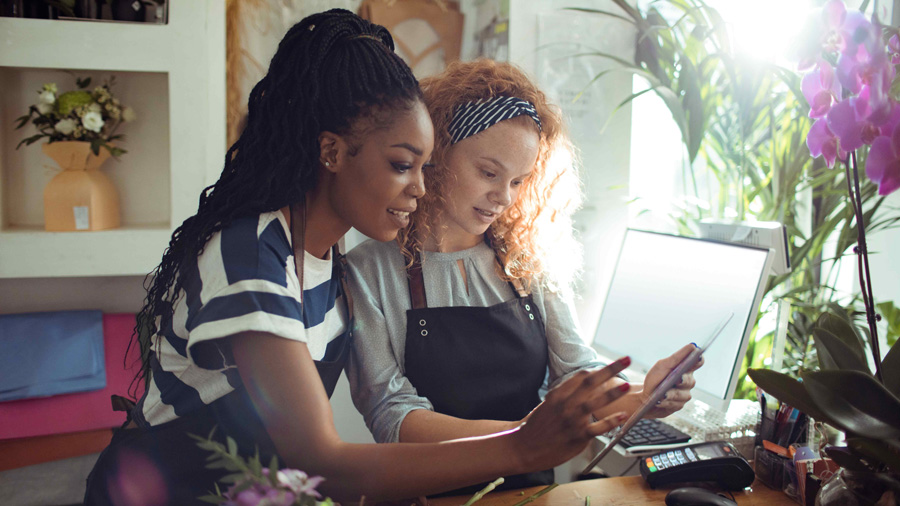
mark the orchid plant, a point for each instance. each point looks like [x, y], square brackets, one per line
[849, 77]
[850, 74]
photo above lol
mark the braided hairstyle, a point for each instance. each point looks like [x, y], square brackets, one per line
[332, 71]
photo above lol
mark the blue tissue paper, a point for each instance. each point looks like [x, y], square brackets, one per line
[51, 353]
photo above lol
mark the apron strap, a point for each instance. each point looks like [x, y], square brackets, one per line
[517, 287]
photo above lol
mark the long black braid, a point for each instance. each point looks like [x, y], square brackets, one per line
[330, 69]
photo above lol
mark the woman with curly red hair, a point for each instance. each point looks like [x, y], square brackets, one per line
[483, 275]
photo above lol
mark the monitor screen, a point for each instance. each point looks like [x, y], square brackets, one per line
[668, 291]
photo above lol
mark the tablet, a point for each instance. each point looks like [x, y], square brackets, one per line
[660, 391]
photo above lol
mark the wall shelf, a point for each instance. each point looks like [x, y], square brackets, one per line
[173, 75]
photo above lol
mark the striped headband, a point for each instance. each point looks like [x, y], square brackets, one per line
[478, 115]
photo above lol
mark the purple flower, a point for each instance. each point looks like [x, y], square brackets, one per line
[821, 89]
[299, 482]
[822, 142]
[833, 14]
[894, 47]
[249, 497]
[862, 57]
[820, 31]
[883, 162]
[277, 498]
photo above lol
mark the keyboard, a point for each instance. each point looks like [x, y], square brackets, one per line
[650, 431]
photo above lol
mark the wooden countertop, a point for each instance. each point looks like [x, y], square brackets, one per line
[626, 491]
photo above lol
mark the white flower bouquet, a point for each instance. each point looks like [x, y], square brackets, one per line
[78, 115]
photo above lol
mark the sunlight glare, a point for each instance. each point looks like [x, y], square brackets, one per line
[764, 29]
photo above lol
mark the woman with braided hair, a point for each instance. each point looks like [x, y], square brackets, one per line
[483, 275]
[249, 317]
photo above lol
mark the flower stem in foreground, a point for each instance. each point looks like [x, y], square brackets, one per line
[537, 494]
[478, 495]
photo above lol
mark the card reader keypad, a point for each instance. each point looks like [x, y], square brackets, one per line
[669, 459]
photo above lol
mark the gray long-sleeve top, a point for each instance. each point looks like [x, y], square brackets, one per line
[380, 289]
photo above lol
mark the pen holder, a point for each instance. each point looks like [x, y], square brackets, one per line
[770, 468]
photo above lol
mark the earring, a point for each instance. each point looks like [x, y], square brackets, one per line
[328, 164]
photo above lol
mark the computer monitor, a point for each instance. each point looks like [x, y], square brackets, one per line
[668, 291]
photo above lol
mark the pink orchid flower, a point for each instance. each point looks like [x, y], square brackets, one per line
[834, 15]
[862, 58]
[883, 162]
[822, 142]
[894, 47]
[821, 89]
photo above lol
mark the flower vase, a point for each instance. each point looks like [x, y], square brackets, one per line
[853, 488]
[80, 197]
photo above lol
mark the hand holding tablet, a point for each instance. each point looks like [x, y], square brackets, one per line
[660, 391]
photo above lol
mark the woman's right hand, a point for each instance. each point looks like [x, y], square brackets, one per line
[561, 426]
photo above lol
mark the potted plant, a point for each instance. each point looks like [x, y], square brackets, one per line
[80, 127]
[857, 121]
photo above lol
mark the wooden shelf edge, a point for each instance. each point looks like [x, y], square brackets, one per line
[16, 453]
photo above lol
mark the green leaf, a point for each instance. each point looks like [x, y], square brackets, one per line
[212, 499]
[890, 370]
[273, 470]
[846, 458]
[83, 82]
[789, 391]
[843, 330]
[835, 354]
[886, 452]
[232, 446]
[856, 402]
[255, 464]
[232, 478]
[28, 141]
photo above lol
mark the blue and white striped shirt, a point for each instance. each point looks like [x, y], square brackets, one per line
[244, 281]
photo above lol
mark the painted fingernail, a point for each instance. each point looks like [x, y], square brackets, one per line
[625, 361]
[624, 387]
[621, 417]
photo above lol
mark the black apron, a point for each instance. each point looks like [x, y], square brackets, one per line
[164, 462]
[478, 362]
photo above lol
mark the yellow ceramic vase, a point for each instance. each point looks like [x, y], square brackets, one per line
[80, 197]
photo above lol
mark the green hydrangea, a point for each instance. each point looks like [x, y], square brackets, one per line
[69, 100]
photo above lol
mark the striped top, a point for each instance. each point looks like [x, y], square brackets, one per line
[243, 281]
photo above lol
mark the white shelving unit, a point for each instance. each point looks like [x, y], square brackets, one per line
[173, 75]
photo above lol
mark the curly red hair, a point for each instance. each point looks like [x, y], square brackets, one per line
[534, 237]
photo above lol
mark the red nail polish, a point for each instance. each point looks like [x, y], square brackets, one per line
[624, 387]
[625, 361]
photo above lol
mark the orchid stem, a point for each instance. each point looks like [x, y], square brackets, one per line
[865, 277]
